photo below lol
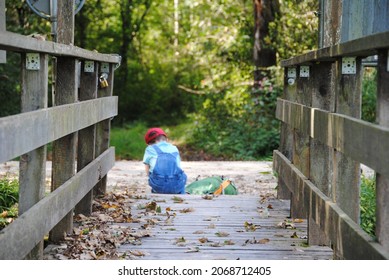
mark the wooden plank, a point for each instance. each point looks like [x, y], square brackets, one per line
[31, 130]
[20, 43]
[363, 141]
[32, 175]
[346, 171]
[365, 46]
[64, 149]
[86, 137]
[103, 129]
[3, 54]
[382, 179]
[226, 214]
[350, 240]
[17, 239]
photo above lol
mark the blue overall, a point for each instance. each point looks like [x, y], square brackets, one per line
[167, 176]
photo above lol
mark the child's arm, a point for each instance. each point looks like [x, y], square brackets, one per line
[147, 167]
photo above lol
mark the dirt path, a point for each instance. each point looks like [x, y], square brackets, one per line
[250, 177]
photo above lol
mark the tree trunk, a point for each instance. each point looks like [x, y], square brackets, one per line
[264, 13]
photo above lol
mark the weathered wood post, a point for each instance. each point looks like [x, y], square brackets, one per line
[103, 130]
[86, 137]
[3, 54]
[382, 182]
[346, 172]
[32, 173]
[64, 149]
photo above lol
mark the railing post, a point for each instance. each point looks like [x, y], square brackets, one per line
[301, 148]
[346, 177]
[320, 154]
[103, 130]
[86, 137]
[3, 54]
[64, 149]
[286, 146]
[382, 182]
[32, 173]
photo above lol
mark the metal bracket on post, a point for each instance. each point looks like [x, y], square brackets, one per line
[349, 65]
[104, 67]
[33, 61]
[304, 71]
[291, 75]
[89, 66]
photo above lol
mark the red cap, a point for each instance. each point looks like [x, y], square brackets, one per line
[153, 133]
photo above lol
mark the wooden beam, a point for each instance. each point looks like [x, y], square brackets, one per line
[20, 43]
[17, 239]
[382, 186]
[25, 132]
[346, 235]
[64, 149]
[362, 47]
[103, 129]
[86, 137]
[3, 54]
[364, 142]
[32, 175]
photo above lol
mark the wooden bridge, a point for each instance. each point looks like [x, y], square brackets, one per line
[322, 143]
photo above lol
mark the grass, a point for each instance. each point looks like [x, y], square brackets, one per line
[129, 140]
[368, 204]
[9, 195]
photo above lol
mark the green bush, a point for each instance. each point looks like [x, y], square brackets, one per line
[9, 193]
[369, 95]
[368, 204]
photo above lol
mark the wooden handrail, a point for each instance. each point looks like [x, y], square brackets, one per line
[362, 47]
[15, 42]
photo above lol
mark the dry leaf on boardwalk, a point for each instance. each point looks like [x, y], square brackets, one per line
[186, 210]
[222, 234]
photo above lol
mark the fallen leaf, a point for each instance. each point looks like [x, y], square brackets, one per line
[207, 197]
[222, 234]
[263, 241]
[298, 220]
[203, 240]
[270, 206]
[180, 240]
[229, 242]
[186, 210]
[211, 226]
[216, 244]
[193, 250]
[198, 232]
[178, 199]
[294, 235]
[138, 253]
[250, 226]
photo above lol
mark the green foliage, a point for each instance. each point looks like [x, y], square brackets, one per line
[368, 205]
[295, 31]
[245, 132]
[369, 95]
[129, 141]
[9, 193]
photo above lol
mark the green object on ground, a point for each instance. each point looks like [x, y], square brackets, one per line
[210, 185]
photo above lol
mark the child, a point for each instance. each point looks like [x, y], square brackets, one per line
[163, 164]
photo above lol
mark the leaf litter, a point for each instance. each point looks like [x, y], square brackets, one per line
[99, 235]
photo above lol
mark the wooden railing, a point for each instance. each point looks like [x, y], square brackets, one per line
[79, 125]
[323, 142]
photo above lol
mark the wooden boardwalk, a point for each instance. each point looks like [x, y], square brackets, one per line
[224, 227]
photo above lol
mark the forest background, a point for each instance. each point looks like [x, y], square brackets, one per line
[206, 71]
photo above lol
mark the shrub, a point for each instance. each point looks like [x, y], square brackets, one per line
[9, 193]
[368, 204]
